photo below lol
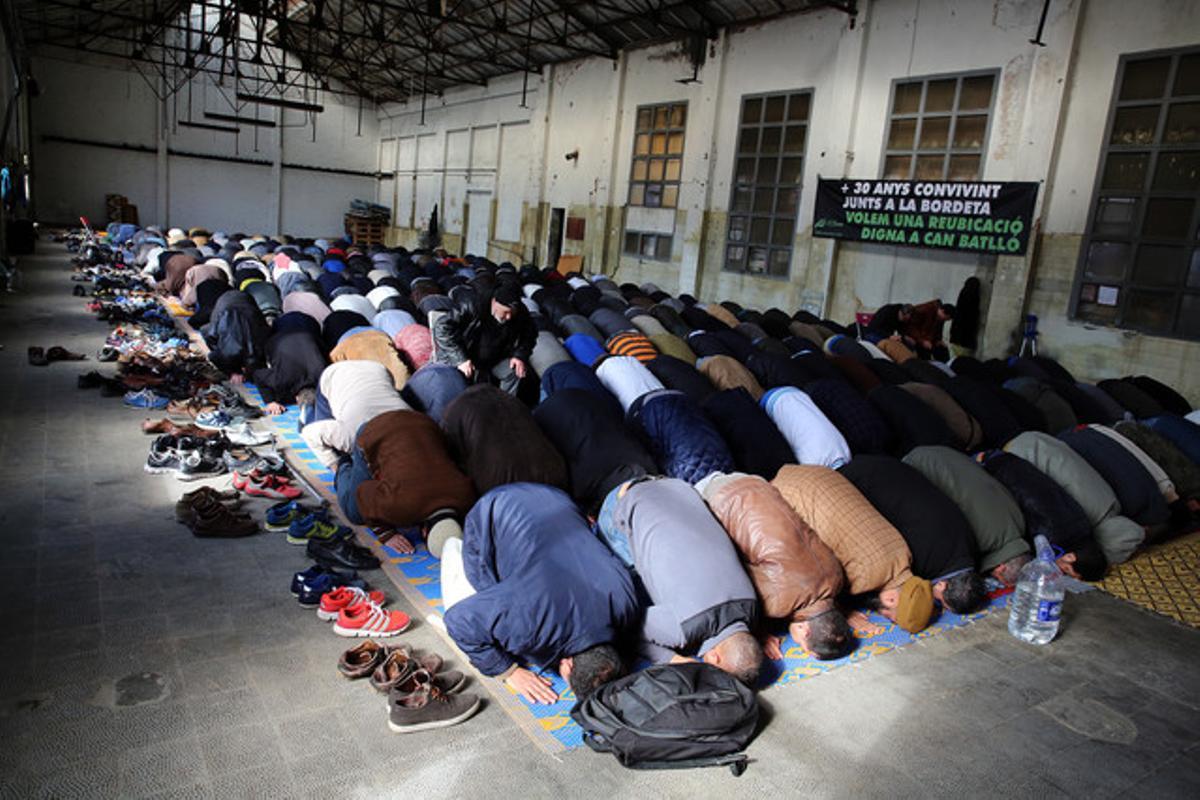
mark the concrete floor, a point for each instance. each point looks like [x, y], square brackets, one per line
[140, 661]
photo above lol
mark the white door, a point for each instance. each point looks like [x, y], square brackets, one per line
[479, 220]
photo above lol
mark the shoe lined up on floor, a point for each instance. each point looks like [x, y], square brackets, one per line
[187, 457]
[341, 553]
[421, 693]
[368, 618]
[210, 514]
[336, 600]
[258, 483]
[418, 704]
[315, 527]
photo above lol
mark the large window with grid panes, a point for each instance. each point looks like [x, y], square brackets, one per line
[768, 166]
[1139, 265]
[657, 155]
[938, 127]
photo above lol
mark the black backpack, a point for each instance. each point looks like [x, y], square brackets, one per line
[671, 716]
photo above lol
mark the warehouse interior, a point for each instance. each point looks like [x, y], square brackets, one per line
[831, 362]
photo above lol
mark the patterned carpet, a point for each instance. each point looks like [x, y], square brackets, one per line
[1165, 579]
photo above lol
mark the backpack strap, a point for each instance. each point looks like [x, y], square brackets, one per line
[737, 763]
[596, 742]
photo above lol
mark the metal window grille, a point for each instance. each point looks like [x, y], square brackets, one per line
[1139, 264]
[657, 155]
[938, 127]
[768, 167]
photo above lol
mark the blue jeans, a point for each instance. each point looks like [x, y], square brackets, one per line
[615, 538]
[352, 470]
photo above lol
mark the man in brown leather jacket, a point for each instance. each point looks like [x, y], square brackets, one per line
[796, 575]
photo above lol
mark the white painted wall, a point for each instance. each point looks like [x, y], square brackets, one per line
[108, 102]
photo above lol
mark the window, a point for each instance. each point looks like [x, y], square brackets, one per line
[657, 156]
[768, 165]
[938, 128]
[656, 246]
[1139, 265]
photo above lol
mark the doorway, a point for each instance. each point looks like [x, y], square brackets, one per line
[554, 243]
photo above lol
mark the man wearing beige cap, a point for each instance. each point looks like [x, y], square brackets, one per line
[872, 552]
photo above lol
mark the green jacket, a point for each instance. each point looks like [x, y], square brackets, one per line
[996, 519]
[1117, 536]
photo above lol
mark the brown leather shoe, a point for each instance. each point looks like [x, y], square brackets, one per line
[361, 661]
[173, 428]
[394, 670]
[215, 521]
[191, 502]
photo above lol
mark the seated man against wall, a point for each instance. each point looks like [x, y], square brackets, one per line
[1050, 512]
[877, 562]
[350, 394]
[938, 535]
[1117, 535]
[996, 520]
[796, 575]
[529, 582]
[701, 603]
[487, 338]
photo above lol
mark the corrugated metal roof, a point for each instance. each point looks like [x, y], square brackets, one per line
[389, 49]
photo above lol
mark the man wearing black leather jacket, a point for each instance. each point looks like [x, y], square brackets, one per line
[488, 339]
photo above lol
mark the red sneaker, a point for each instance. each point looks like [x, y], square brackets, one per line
[366, 618]
[271, 486]
[334, 601]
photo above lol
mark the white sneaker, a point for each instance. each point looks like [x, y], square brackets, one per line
[246, 436]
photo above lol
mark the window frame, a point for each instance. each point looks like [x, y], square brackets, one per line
[642, 236]
[1135, 238]
[953, 114]
[775, 186]
[663, 183]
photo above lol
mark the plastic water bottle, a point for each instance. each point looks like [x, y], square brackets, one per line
[1037, 602]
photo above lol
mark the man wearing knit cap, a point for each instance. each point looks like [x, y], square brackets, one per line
[487, 339]
[876, 560]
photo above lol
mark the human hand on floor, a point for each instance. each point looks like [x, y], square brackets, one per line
[517, 366]
[236, 379]
[467, 369]
[773, 647]
[862, 625]
[274, 409]
[533, 688]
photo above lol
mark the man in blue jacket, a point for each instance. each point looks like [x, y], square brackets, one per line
[545, 591]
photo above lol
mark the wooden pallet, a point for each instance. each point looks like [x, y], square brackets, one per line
[364, 231]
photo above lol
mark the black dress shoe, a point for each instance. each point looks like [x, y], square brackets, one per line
[341, 553]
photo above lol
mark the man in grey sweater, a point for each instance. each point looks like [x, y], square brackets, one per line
[701, 603]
